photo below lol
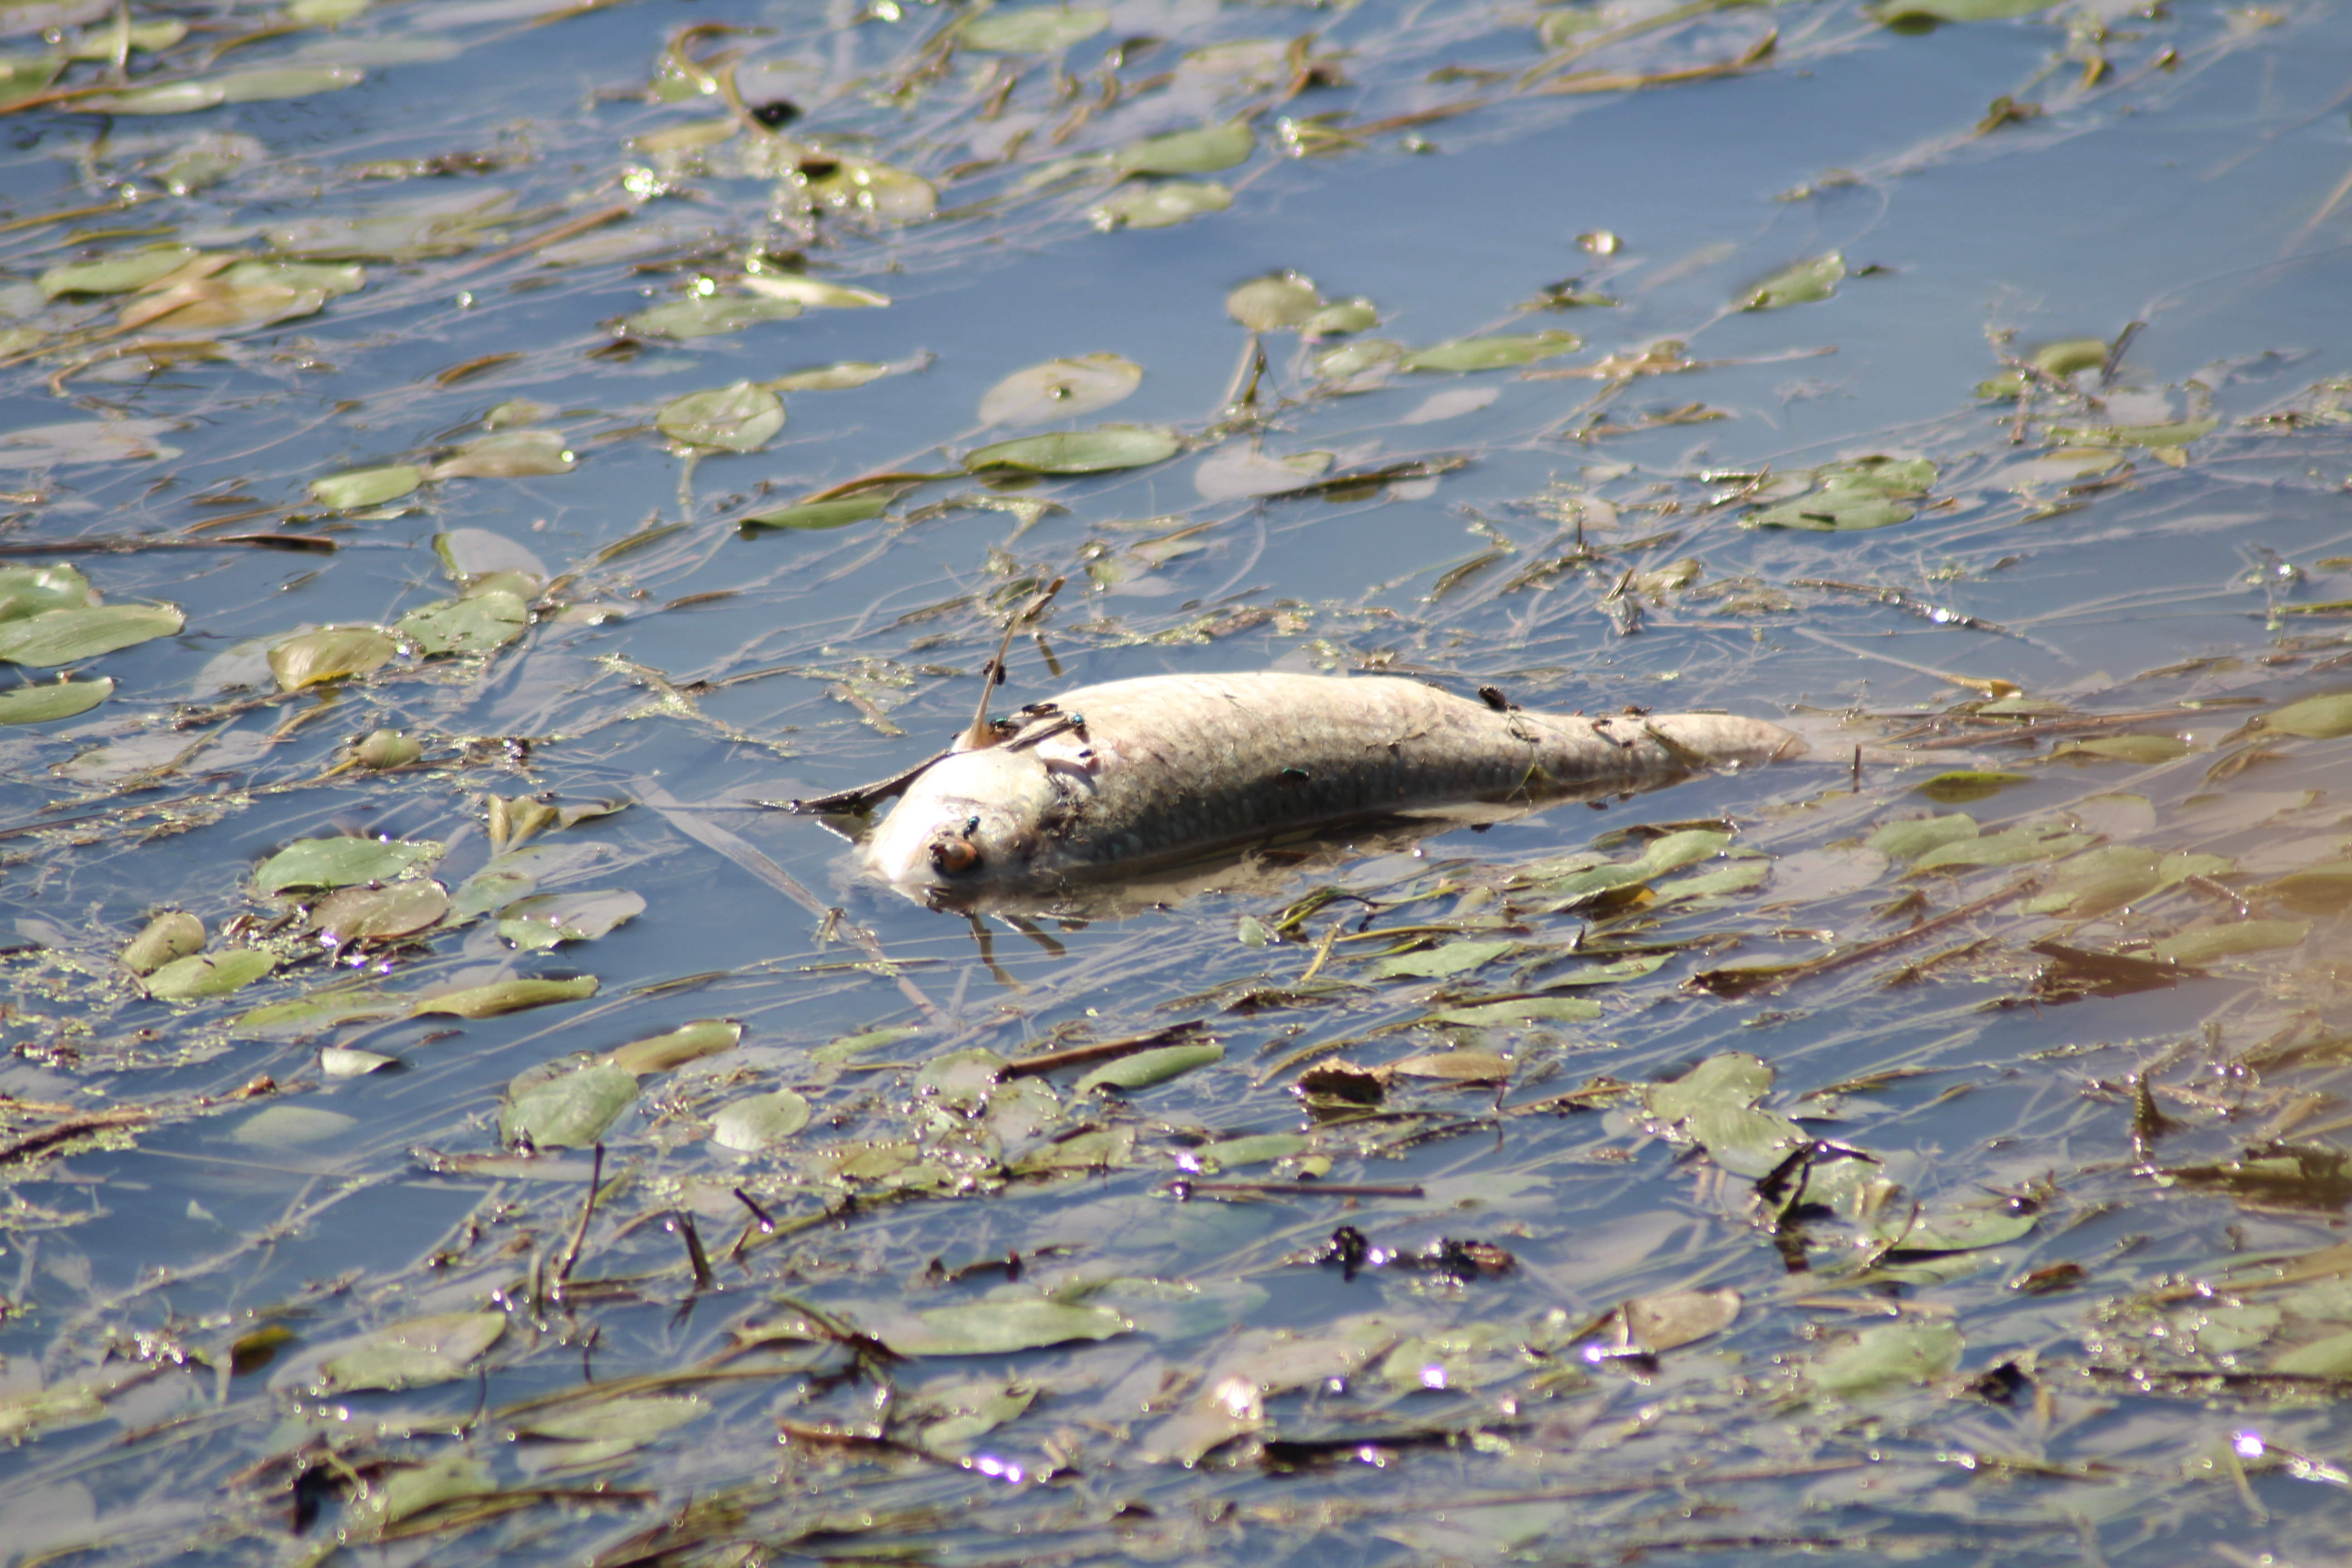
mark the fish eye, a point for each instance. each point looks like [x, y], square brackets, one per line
[955, 856]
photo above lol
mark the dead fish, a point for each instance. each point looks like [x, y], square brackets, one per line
[1130, 776]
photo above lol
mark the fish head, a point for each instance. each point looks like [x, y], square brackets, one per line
[970, 820]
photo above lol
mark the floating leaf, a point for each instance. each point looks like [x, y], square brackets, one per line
[2144, 750]
[1002, 1326]
[1060, 389]
[1677, 1317]
[1958, 11]
[691, 1042]
[367, 487]
[475, 624]
[813, 516]
[2330, 1357]
[1435, 962]
[849, 1047]
[2013, 847]
[1031, 29]
[1835, 511]
[633, 1419]
[413, 1353]
[509, 454]
[290, 1126]
[2314, 889]
[342, 862]
[1103, 449]
[1493, 352]
[29, 590]
[2098, 880]
[1159, 206]
[206, 975]
[170, 935]
[1358, 359]
[57, 699]
[341, 1061]
[332, 653]
[814, 292]
[762, 1122]
[832, 377]
[504, 996]
[863, 186]
[1257, 1148]
[535, 924]
[1357, 315]
[2324, 717]
[2202, 944]
[708, 316]
[320, 1009]
[1797, 285]
[737, 418]
[2177, 433]
[1454, 1066]
[1904, 841]
[1520, 1010]
[374, 914]
[1954, 1230]
[1271, 303]
[1202, 152]
[1733, 1078]
[1237, 471]
[119, 274]
[1962, 785]
[1145, 1069]
[568, 1107]
[404, 1492]
[67, 637]
[1887, 1355]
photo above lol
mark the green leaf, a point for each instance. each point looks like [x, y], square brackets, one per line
[1432, 964]
[172, 934]
[690, 1042]
[1733, 1078]
[404, 1492]
[1002, 1326]
[1231, 1154]
[1357, 315]
[57, 699]
[737, 418]
[2014, 846]
[331, 653]
[509, 454]
[1060, 389]
[1834, 512]
[1493, 352]
[1676, 1318]
[2202, 944]
[413, 1353]
[374, 914]
[2324, 717]
[875, 190]
[1031, 29]
[67, 637]
[1202, 152]
[1887, 1355]
[1359, 358]
[358, 488]
[2179, 433]
[822, 514]
[1453, 1067]
[121, 273]
[761, 1121]
[1520, 1010]
[1743, 1139]
[1271, 303]
[817, 293]
[1799, 284]
[29, 590]
[206, 975]
[1628, 968]
[1905, 841]
[1103, 449]
[847, 1047]
[633, 1419]
[569, 1107]
[2314, 889]
[324, 1008]
[2097, 880]
[536, 924]
[1159, 206]
[2330, 1357]
[839, 377]
[1737, 878]
[1145, 1069]
[1959, 11]
[477, 624]
[2144, 750]
[708, 315]
[1953, 1231]
[1962, 785]
[22, 77]
[342, 862]
[504, 996]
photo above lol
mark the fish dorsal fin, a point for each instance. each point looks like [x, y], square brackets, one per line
[982, 734]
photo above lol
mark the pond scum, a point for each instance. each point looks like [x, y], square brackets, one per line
[1939, 1155]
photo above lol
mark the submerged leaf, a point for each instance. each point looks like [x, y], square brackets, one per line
[1060, 389]
[120, 273]
[509, 454]
[1031, 29]
[2202, 944]
[1002, 1326]
[2324, 717]
[1435, 962]
[1202, 152]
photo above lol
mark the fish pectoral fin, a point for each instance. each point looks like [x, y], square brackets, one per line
[863, 798]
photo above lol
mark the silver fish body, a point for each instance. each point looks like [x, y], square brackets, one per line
[1128, 776]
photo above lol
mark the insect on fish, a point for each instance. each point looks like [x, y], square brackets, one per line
[1132, 777]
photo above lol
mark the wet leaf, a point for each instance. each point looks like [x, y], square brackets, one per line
[1886, 1355]
[339, 1061]
[1360, 358]
[2202, 944]
[814, 292]
[1202, 152]
[1905, 841]
[1489, 352]
[535, 924]
[1031, 29]
[690, 1042]
[331, 653]
[2179, 433]
[29, 590]
[82, 441]
[2097, 880]
[477, 624]
[2013, 847]
[1678, 1317]
[174, 934]
[1233, 472]
[69, 636]
[708, 315]
[1060, 389]
[2144, 750]
[120, 273]
[1104, 449]
[404, 1492]
[2330, 1357]
[634, 1419]
[1159, 206]
[1271, 303]
[505, 996]
[413, 1353]
[1954, 1230]
[1454, 1066]
[340, 1004]
[571, 1106]
[1145, 1069]
[1958, 11]
[2319, 889]
[1004, 1325]
[877, 190]
[1520, 1010]
[2324, 717]
[53, 701]
[1231, 1154]
[849, 1047]
[291, 1126]
[814, 516]
[367, 487]
[1743, 1139]
[203, 975]
[342, 862]
[509, 454]
[1835, 511]
[737, 418]
[1357, 315]
[1435, 962]
[374, 914]
[838, 377]
[1734, 1078]
[1799, 284]
[761, 1121]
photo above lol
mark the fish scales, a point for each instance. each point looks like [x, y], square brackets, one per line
[1134, 775]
